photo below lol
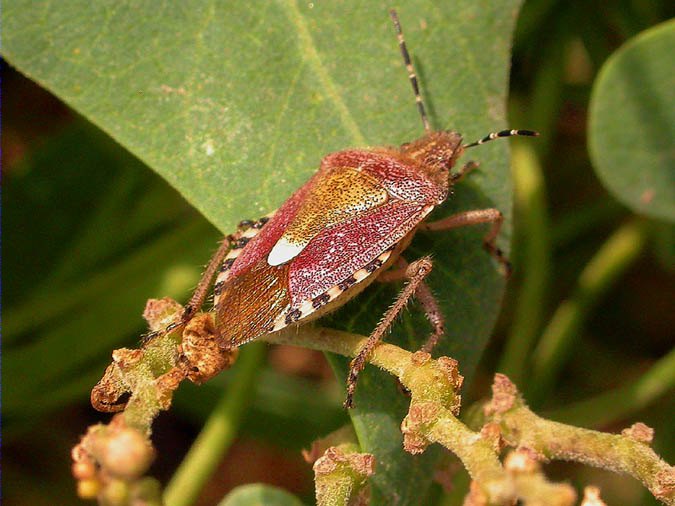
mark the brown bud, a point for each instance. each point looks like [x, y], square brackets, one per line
[665, 486]
[420, 358]
[419, 415]
[201, 355]
[126, 454]
[161, 312]
[639, 432]
[450, 367]
[110, 394]
[504, 395]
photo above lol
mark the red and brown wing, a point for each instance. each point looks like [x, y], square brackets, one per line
[248, 305]
[331, 234]
[339, 251]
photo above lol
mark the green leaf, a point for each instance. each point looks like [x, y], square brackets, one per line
[235, 103]
[631, 127]
[259, 494]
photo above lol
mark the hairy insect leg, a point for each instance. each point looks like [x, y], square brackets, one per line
[476, 217]
[416, 273]
[200, 293]
[425, 297]
[202, 290]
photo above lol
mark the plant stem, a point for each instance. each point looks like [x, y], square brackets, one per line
[584, 220]
[622, 401]
[562, 333]
[628, 452]
[536, 255]
[218, 432]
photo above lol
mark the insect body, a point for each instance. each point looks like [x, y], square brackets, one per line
[337, 234]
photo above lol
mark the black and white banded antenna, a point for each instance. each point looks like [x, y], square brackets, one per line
[411, 71]
[504, 133]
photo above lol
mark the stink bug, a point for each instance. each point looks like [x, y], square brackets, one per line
[337, 234]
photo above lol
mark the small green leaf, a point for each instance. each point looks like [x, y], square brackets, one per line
[632, 123]
[258, 494]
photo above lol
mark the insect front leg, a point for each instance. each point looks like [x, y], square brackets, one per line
[416, 272]
[463, 171]
[425, 297]
[475, 217]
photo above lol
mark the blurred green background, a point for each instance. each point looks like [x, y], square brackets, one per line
[90, 233]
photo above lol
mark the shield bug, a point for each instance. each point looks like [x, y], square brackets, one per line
[340, 232]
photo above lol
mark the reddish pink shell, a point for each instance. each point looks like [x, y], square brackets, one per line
[331, 256]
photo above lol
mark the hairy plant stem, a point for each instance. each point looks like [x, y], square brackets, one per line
[432, 418]
[152, 373]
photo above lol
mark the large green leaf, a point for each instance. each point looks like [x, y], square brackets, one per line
[235, 103]
[632, 123]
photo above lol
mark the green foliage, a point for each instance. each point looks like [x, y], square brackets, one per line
[234, 104]
[631, 126]
[103, 222]
[236, 135]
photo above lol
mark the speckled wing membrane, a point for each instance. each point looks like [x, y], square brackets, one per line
[342, 195]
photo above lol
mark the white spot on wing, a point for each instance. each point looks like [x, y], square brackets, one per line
[283, 251]
[209, 148]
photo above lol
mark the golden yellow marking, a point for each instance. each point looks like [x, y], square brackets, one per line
[336, 198]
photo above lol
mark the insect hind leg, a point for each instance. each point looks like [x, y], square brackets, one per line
[199, 295]
[425, 297]
[416, 273]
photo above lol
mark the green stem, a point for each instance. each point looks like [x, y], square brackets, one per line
[562, 333]
[623, 401]
[584, 220]
[536, 255]
[546, 96]
[218, 432]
